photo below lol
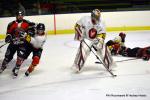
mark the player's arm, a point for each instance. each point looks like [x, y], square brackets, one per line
[101, 36]
[36, 42]
[102, 33]
[110, 44]
[79, 26]
[8, 37]
[30, 33]
[78, 32]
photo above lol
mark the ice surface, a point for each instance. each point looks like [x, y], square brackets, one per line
[53, 78]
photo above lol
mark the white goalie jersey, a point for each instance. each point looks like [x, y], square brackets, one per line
[89, 30]
[89, 35]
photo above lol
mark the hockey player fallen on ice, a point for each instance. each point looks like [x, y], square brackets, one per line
[117, 47]
[89, 30]
[16, 31]
[115, 44]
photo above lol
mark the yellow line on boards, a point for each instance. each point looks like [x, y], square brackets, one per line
[108, 29]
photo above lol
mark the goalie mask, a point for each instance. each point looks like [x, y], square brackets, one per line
[95, 15]
[40, 29]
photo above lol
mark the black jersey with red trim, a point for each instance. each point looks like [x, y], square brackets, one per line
[138, 52]
[14, 27]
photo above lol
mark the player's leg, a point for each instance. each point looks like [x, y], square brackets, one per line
[35, 61]
[133, 52]
[82, 54]
[146, 53]
[11, 49]
[105, 56]
[23, 52]
[19, 62]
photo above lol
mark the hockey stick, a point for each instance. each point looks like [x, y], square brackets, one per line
[99, 59]
[97, 62]
[9, 42]
[3, 44]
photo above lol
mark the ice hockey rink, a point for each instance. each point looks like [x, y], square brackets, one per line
[53, 78]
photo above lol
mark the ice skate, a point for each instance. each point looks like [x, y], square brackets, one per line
[15, 71]
[27, 73]
[2, 69]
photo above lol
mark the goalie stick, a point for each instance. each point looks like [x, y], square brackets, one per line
[99, 59]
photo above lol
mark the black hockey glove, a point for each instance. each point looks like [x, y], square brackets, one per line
[113, 52]
[123, 51]
[8, 38]
[31, 33]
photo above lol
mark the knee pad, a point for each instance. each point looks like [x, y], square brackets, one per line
[7, 59]
[19, 61]
[35, 60]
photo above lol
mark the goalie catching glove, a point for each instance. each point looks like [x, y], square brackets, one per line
[99, 40]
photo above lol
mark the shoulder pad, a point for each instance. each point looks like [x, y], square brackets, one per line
[27, 21]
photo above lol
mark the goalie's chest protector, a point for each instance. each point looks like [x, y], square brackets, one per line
[89, 30]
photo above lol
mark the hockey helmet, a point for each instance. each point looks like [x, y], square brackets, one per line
[117, 39]
[95, 15]
[40, 26]
[20, 13]
[122, 35]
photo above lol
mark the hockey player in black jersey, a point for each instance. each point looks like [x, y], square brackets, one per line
[16, 31]
[117, 47]
[137, 52]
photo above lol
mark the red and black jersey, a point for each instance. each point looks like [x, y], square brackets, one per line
[15, 27]
[144, 52]
[138, 52]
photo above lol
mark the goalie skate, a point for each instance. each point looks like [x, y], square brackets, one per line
[75, 69]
